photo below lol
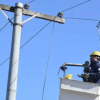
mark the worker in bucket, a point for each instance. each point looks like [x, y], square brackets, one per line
[94, 75]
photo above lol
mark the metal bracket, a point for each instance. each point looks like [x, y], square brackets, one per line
[30, 18]
[17, 24]
[19, 7]
[6, 16]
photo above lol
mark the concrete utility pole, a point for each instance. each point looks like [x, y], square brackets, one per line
[14, 57]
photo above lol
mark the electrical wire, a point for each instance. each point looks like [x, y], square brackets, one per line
[82, 19]
[27, 41]
[4, 26]
[4, 61]
[31, 1]
[34, 35]
[48, 60]
[76, 6]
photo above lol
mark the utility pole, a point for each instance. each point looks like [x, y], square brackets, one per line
[14, 57]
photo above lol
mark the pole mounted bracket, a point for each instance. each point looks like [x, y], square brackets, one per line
[29, 18]
[6, 16]
[18, 24]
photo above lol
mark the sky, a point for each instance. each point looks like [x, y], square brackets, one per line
[73, 42]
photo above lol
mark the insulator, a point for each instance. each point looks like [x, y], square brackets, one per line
[26, 6]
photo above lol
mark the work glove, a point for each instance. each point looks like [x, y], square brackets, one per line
[85, 75]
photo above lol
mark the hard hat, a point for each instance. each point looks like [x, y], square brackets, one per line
[95, 53]
[69, 76]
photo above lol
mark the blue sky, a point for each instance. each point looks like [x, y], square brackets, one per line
[73, 42]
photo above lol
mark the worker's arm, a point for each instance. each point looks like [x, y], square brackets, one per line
[95, 75]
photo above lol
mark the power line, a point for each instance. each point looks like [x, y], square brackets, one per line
[4, 61]
[31, 1]
[76, 6]
[27, 41]
[34, 35]
[4, 26]
[82, 19]
[48, 61]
